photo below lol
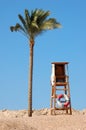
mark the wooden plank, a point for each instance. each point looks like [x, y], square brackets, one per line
[65, 108]
[62, 89]
[59, 62]
[61, 84]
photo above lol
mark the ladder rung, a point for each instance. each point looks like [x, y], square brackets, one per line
[61, 83]
[61, 89]
[62, 108]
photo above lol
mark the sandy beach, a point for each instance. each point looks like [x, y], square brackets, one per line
[42, 120]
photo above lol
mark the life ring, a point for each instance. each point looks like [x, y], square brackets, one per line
[66, 102]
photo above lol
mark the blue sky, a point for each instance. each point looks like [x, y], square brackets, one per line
[65, 44]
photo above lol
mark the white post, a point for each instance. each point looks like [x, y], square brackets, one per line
[53, 75]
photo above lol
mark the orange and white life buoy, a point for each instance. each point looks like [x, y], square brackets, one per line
[60, 103]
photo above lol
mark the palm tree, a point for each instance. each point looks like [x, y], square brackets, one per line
[34, 23]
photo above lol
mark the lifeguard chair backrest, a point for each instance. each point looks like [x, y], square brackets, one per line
[60, 72]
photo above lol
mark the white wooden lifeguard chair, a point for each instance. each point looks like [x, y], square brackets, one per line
[60, 89]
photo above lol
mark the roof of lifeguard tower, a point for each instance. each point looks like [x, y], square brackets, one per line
[60, 63]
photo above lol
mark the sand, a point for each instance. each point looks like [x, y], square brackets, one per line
[42, 120]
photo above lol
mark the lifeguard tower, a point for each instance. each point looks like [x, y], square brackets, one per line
[60, 89]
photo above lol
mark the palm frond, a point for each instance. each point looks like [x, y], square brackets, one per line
[22, 21]
[42, 16]
[33, 12]
[12, 28]
[15, 28]
[19, 28]
[27, 18]
[50, 24]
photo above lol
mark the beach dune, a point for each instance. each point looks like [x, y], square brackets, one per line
[42, 120]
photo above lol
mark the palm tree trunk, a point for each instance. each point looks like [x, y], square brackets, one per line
[30, 78]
